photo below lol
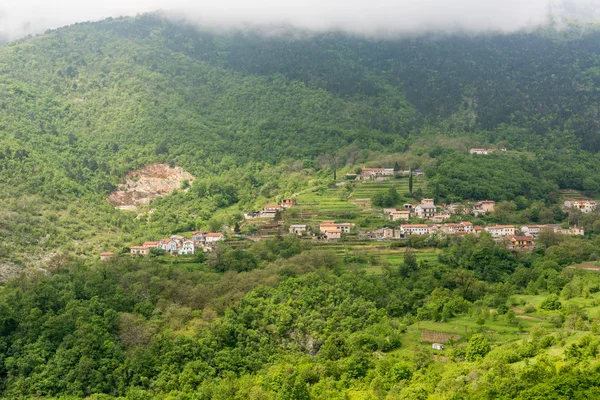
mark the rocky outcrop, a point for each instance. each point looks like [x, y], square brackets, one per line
[145, 184]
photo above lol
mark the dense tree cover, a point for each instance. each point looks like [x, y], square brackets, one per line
[302, 325]
[256, 118]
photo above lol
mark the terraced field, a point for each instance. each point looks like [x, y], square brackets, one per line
[364, 191]
[374, 255]
[571, 194]
[574, 195]
[323, 204]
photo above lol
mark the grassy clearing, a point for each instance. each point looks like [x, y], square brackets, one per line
[374, 256]
[323, 203]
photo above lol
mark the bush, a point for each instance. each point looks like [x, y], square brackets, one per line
[551, 303]
[529, 308]
[477, 348]
[400, 372]
[546, 342]
[385, 199]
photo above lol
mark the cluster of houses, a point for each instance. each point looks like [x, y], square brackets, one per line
[585, 206]
[429, 211]
[380, 174]
[476, 150]
[270, 211]
[174, 245]
[180, 245]
[329, 230]
[508, 233]
[522, 238]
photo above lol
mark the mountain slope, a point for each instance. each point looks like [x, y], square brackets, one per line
[83, 105]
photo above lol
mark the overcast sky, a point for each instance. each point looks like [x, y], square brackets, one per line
[21, 17]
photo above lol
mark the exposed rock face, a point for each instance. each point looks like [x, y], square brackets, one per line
[9, 271]
[145, 184]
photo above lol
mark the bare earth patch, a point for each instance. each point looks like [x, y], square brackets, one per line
[9, 271]
[587, 267]
[529, 317]
[437, 337]
[145, 184]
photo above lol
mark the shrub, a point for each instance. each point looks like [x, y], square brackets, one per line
[551, 303]
[546, 342]
[400, 372]
[477, 348]
[529, 308]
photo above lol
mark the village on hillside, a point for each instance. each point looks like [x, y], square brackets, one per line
[430, 220]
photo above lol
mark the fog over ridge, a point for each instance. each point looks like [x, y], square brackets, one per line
[366, 17]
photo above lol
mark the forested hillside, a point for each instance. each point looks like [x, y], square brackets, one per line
[83, 105]
[257, 118]
[305, 324]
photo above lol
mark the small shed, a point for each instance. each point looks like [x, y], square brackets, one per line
[437, 346]
[107, 255]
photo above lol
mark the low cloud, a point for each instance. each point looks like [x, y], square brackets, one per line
[370, 17]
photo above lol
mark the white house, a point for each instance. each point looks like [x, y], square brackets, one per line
[187, 247]
[168, 245]
[267, 214]
[575, 230]
[328, 225]
[370, 173]
[425, 211]
[465, 226]
[298, 229]
[213, 237]
[107, 256]
[415, 229]
[139, 251]
[333, 234]
[199, 236]
[484, 207]
[532, 230]
[478, 151]
[585, 206]
[498, 231]
[397, 215]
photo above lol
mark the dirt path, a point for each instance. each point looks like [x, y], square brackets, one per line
[529, 317]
